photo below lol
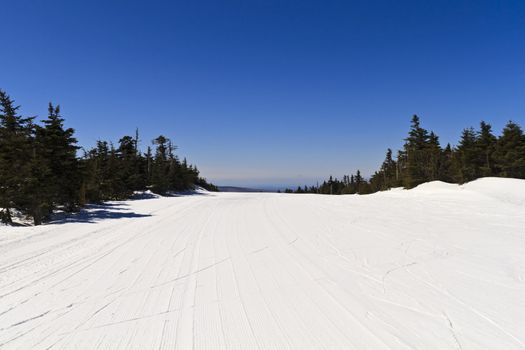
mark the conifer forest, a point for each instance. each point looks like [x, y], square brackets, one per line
[479, 153]
[42, 169]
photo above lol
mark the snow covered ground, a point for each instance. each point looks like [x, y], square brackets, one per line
[438, 267]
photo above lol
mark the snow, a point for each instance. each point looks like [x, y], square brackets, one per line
[437, 267]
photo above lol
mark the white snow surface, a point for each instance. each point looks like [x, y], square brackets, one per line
[437, 267]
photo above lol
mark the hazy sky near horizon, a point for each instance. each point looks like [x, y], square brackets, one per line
[261, 93]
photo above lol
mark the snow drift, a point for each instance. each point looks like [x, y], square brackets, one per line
[437, 267]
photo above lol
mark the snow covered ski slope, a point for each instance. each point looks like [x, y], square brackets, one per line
[438, 267]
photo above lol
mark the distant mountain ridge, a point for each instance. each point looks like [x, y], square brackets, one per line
[241, 189]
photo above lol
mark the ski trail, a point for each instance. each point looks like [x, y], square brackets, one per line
[428, 268]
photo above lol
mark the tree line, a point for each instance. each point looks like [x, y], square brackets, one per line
[42, 169]
[479, 153]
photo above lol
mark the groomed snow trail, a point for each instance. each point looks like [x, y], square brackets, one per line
[438, 267]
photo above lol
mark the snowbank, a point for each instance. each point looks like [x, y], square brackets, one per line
[435, 186]
[503, 189]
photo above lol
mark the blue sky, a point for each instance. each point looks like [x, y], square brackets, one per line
[261, 93]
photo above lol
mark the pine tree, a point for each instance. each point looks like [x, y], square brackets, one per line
[118, 189]
[91, 174]
[510, 151]
[416, 151]
[377, 182]
[189, 174]
[130, 166]
[486, 144]
[433, 158]
[466, 157]
[15, 156]
[60, 153]
[446, 168]
[388, 172]
[358, 181]
[103, 152]
[38, 190]
[177, 175]
[401, 161]
[160, 169]
[352, 185]
[140, 179]
[148, 165]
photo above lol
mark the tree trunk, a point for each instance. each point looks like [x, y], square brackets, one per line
[6, 217]
[37, 216]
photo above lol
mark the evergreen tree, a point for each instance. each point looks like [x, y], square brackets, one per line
[130, 168]
[377, 182]
[467, 157]
[401, 166]
[433, 158]
[486, 144]
[446, 167]
[510, 151]
[416, 151]
[59, 150]
[160, 182]
[38, 192]
[358, 181]
[16, 153]
[388, 172]
[117, 188]
[148, 165]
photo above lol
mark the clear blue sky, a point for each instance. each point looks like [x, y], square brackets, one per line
[268, 92]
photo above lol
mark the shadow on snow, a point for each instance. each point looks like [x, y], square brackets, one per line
[151, 195]
[188, 194]
[96, 212]
[92, 213]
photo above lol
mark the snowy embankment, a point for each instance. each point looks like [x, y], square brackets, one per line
[437, 267]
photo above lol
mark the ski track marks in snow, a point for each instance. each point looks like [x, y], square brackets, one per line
[437, 267]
